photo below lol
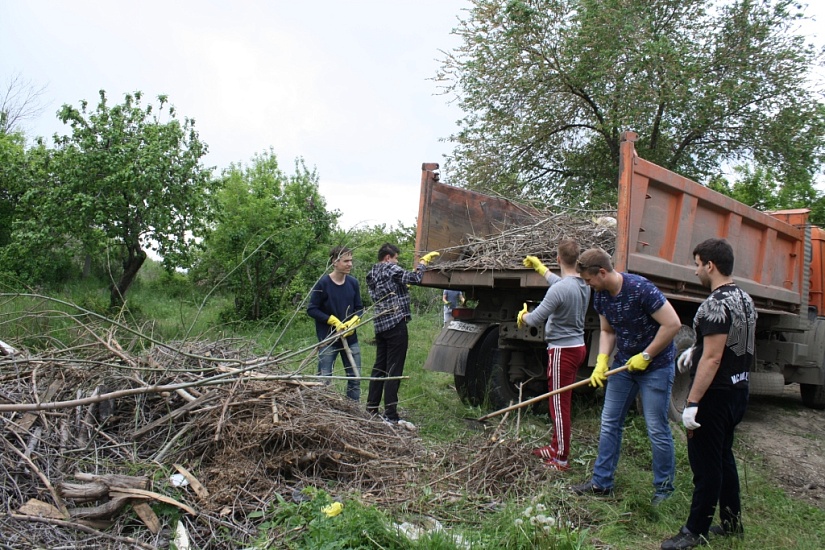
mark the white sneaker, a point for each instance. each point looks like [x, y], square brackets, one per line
[406, 425]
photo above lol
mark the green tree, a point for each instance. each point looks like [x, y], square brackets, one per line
[128, 179]
[365, 242]
[12, 167]
[760, 188]
[548, 86]
[269, 242]
[29, 249]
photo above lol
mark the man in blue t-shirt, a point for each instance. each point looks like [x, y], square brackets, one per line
[638, 322]
[335, 304]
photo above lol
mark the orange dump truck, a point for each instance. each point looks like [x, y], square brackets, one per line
[661, 217]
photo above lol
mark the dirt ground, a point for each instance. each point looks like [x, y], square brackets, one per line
[791, 439]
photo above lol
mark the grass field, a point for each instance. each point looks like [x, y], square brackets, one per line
[166, 311]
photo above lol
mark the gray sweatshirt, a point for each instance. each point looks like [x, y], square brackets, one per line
[563, 307]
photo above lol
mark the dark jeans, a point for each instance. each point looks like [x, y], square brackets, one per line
[390, 355]
[710, 450]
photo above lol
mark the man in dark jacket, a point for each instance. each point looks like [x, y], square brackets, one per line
[335, 304]
[387, 283]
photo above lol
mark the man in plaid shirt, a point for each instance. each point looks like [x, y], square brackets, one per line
[387, 283]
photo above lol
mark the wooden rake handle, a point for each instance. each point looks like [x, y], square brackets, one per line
[542, 397]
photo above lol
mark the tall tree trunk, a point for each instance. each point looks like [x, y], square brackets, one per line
[131, 266]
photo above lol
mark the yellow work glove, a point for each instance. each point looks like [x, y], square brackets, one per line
[637, 363]
[600, 372]
[535, 263]
[520, 317]
[333, 321]
[427, 258]
[351, 323]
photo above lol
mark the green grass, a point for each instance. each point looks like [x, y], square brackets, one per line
[170, 310]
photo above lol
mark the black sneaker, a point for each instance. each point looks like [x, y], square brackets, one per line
[391, 419]
[590, 488]
[719, 531]
[683, 540]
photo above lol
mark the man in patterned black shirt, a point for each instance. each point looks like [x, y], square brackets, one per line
[387, 283]
[719, 365]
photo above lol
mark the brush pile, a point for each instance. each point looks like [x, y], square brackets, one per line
[107, 448]
[507, 248]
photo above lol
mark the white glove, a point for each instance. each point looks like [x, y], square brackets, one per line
[689, 416]
[685, 360]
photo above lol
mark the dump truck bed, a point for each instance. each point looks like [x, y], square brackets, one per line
[661, 217]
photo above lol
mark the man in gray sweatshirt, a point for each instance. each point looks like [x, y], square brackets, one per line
[563, 309]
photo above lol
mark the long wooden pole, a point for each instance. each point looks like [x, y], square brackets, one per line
[542, 397]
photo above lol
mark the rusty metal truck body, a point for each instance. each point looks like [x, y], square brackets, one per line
[661, 217]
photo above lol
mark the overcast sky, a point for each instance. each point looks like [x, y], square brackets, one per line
[345, 84]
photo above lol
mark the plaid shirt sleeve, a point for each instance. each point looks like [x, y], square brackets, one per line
[388, 289]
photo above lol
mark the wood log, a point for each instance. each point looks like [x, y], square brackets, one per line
[104, 511]
[138, 493]
[115, 481]
[82, 491]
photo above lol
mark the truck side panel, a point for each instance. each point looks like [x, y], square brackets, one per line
[447, 215]
[663, 216]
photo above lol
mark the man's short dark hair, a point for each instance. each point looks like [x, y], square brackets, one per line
[569, 251]
[387, 249]
[338, 251]
[592, 260]
[718, 251]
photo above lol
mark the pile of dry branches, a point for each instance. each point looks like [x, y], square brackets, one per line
[507, 248]
[93, 432]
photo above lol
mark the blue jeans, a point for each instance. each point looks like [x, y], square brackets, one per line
[622, 389]
[326, 360]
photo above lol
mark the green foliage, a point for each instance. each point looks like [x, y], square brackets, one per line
[28, 248]
[773, 518]
[126, 180]
[267, 245]
[305, 525]
[365, 242]
[548, 86]
[543, 523]
[12, 180]
[760, 188]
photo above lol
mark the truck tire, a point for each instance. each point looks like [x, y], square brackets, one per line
[766, 383]
[464, 386]
[472, 386]
[678, 396]
[813, 396]
[685, 338]
[492, 373]
[500, 391]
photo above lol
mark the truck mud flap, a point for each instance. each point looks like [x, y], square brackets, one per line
[450, 350]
